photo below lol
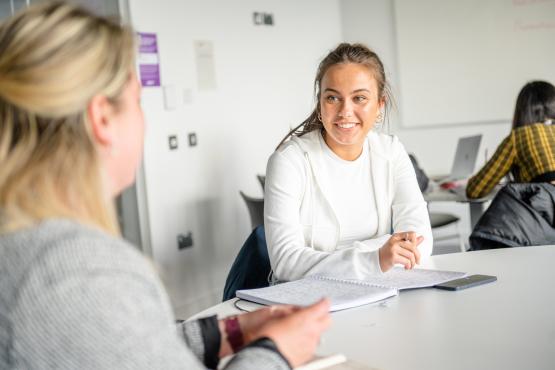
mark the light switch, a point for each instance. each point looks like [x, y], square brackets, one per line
[187, 96]
[173, 142]
[192, 139]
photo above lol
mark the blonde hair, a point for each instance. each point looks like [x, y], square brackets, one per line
[54, 58]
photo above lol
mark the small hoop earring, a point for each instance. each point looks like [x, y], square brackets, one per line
[320, 117]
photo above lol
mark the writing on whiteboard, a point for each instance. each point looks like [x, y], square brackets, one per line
[531, 2]
[533, 26]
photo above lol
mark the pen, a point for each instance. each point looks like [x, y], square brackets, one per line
[324, 362]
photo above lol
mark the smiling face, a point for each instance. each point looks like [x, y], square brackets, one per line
[349, 106]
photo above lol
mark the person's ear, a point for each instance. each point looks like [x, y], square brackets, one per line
[382, 103]
[100, 113]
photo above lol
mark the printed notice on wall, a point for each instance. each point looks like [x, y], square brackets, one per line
[148, 60]
[206, 70]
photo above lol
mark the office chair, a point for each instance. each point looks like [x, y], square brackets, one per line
[261, 180]
[438, 220]
[256, 209]
[251, 267]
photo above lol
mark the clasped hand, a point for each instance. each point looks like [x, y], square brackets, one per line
[401, 248]
[295, 330]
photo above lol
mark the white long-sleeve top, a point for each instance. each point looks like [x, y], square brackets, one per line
[303, 229]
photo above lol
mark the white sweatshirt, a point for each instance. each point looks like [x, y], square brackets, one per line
[303, 229]
[350, 180]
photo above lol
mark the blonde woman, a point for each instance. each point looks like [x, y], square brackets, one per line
[73, 294]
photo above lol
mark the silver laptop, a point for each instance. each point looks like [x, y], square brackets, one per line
[465, 158]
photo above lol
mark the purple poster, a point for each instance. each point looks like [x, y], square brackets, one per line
[149, 63]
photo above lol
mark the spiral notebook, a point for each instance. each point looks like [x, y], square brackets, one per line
[346, 293]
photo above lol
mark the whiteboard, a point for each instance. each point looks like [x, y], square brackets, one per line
[464, 61]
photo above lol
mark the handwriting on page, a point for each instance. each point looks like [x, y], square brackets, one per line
[308, 291]
[400, 278]
[342, 293]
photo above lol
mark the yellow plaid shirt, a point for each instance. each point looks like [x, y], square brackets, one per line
[528, 150]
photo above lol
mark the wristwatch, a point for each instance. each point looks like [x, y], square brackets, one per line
[234, 333]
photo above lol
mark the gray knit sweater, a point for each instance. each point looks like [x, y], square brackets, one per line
[72, 297]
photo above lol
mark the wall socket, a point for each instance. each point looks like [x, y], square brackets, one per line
[193, 139]
[184, 240]
[172, 141]
[262, 19]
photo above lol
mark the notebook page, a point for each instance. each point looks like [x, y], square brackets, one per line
[400, 278]
[342, 293]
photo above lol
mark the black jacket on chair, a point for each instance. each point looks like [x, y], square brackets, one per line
[251, 267]
[520, 215]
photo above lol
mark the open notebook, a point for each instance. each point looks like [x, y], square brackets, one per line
[345, 293]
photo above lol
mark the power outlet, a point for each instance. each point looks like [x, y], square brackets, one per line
[184, 241]
[193, 139]
[263, 19]
[172, 141]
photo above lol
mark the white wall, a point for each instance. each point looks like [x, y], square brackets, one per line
[264, 85]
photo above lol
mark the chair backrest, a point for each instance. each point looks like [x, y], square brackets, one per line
[421, 176]
[261, 180]
[256, 209]
[439, 219]
[251, 267]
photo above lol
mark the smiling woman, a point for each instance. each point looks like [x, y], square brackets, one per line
[340, 198]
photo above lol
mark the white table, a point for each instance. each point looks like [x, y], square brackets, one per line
[509, 324]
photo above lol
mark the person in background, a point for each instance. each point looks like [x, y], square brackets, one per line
[73, 294]
[340, 198]
[528, 152]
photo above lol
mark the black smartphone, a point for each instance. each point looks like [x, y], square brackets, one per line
[466, 282]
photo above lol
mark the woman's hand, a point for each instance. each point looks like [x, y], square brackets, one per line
[401, 248]
[251, 322]
[295, 331]
[297, 334]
